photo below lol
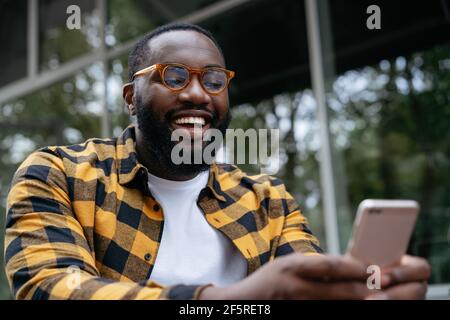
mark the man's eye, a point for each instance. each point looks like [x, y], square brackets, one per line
[178, 80]
[214, 85]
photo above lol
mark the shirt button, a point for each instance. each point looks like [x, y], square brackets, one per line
[156, 207]
[147, 257]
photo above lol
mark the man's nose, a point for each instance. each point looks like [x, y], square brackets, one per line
[194, 93]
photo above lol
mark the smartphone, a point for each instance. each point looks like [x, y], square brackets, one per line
[382, 230]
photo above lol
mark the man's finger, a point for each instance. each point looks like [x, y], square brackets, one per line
[348, 290]
[330, 268]
[411, 269]
[407, 291]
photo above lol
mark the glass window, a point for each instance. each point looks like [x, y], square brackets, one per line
[59, 44]
[127, 20]
[13, 33]
[118, 75]
[130, 19]
[391, 125]
[389, 106]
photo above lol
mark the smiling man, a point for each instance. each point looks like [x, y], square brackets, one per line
[117, 219]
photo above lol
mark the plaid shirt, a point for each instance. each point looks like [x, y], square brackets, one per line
[86, 210]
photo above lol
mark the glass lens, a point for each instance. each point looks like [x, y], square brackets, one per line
[176, 76]
[214, 80]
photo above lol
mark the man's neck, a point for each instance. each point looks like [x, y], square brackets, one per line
[154, 166]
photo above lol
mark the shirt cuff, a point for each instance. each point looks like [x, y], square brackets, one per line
[183, 292]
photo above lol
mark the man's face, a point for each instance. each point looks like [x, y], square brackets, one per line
[159, 108]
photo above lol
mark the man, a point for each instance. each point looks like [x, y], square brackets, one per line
[117, 219]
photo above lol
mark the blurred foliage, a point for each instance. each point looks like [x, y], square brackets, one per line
[398, 144]
[54, 34]
[127, 20]
[130, 19]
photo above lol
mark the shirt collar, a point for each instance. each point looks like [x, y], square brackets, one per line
[129, 166]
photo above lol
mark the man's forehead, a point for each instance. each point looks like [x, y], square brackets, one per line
[184, 43]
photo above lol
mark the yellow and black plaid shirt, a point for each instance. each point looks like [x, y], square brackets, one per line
[87, 207]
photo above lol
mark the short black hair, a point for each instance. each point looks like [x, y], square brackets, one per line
[140, 50]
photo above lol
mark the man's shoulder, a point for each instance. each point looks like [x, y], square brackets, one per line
[92, 148]
[254, 191]
[233, 175]
[77, 153]
[62, 157]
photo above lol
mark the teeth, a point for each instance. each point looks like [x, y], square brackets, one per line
[191, 120]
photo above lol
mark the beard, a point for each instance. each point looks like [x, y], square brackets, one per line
[159, 145]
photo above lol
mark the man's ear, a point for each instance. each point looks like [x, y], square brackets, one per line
[127, 93]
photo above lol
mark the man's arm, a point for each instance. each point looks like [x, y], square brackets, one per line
[299, 271]
[46, 253]
[302, 272]
[296, 235]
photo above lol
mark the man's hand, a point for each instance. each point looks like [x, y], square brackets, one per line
[296, 276]
[408, 280]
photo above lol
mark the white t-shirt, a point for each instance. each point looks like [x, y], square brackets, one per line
[191, 251]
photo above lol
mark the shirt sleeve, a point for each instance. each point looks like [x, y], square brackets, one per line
[46, 253]
[296, 235]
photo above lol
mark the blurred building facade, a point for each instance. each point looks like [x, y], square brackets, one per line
[363, 113]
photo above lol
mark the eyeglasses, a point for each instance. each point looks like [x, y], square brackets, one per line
[176, 76]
